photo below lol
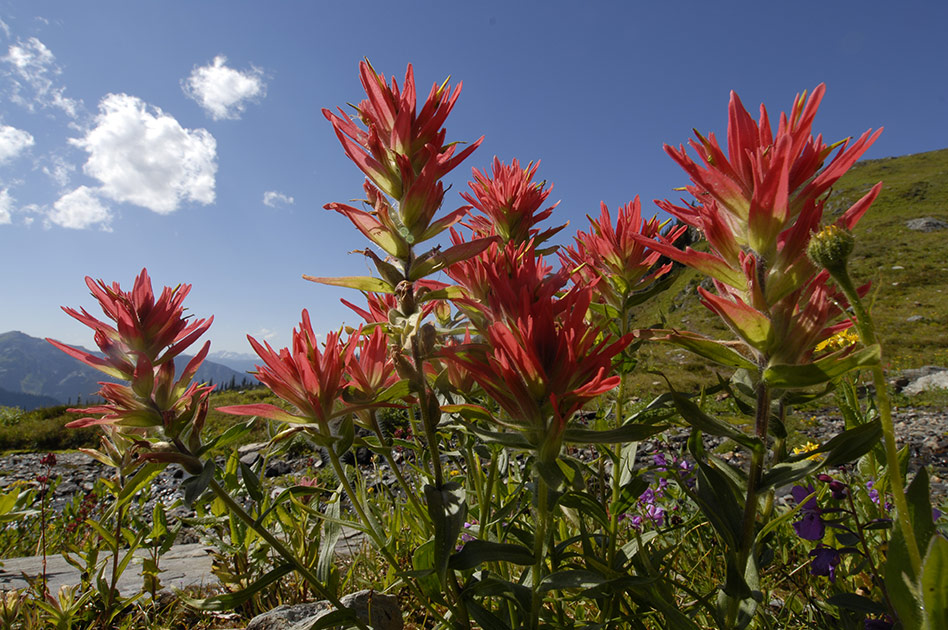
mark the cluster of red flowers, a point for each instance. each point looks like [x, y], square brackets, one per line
[529, 344]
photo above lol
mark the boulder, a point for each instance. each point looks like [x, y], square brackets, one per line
[936, 380]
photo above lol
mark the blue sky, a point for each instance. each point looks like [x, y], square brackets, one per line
[186, 137]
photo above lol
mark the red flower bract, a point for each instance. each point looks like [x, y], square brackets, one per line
[757, 206]
[140, 348]
[310, 380]
[404, 154]
[510, 201]
[611, 255]
[540, 360]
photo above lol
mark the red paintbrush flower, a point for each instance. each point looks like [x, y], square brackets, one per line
[140, 350]
[403, 153]
[540, 360]
[757, 206]
[310, 380]
[144, 327]
[370, 369]
[510, 201]
[610, 255]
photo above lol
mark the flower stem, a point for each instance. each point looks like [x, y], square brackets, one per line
[867, 333]
[748, 530]
[539, 548]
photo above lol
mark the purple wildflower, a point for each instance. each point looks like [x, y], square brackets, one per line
[824, 562]
[811, 527]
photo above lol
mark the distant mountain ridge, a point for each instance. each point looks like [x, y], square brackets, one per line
[34, 374]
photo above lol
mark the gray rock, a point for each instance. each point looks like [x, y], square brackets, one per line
[926, 224]
[379, 611]
[286, 616]
[938, 380]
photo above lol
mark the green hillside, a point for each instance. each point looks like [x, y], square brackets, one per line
[908, 270]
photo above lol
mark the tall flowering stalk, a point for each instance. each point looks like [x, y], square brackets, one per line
[155, 417]
[540, 360]
[757, 205]
[165, 412]
[623, 273]
[404, 154]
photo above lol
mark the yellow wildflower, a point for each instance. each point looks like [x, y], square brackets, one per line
[806, 448]
[840, 340]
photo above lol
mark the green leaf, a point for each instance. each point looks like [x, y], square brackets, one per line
[787, 472]
[476, 552]
[856, 603]
[587, 505]
[484, 618]
[693, 415]
[920, 508]
[361, 283]
[826, 369]
[933, 585]
[898, 576]
[852, 444]
[194, 487]
[702, 346]
[438, 260]
[626, 433]
[719, 504]
[232, 434]
[447, 509]
[144, 476]
[251, 482]
[331, 532]
[571, 579]
[229, 601]
[423, 562]
[344, 437]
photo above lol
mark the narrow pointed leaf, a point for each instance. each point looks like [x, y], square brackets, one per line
[361, 283]
[819, 372]
[230, 601]
[477, 552]
[623, 434]
[702, 346]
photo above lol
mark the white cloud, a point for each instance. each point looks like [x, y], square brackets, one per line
[80, 209]
[13, 141]
[223, 92]
[6, 207]
[273, 198]
[145, 157]
[266, 334]
[59, 170]
[33, 68]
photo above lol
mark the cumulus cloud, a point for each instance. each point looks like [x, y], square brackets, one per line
[143, 156]
[223, 92]
[80, 209]
[33, 72]
[13, 141]
[6, 207]
[273, 198]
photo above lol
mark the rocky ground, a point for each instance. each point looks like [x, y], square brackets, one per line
[925, 430]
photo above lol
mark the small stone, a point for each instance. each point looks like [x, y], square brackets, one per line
[926, 224]
[278, 468]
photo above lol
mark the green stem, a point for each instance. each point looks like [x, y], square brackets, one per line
[396, 469]
[279, 547]
[867, 333]
[539, 549]
[748, 528]
[429, 423]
